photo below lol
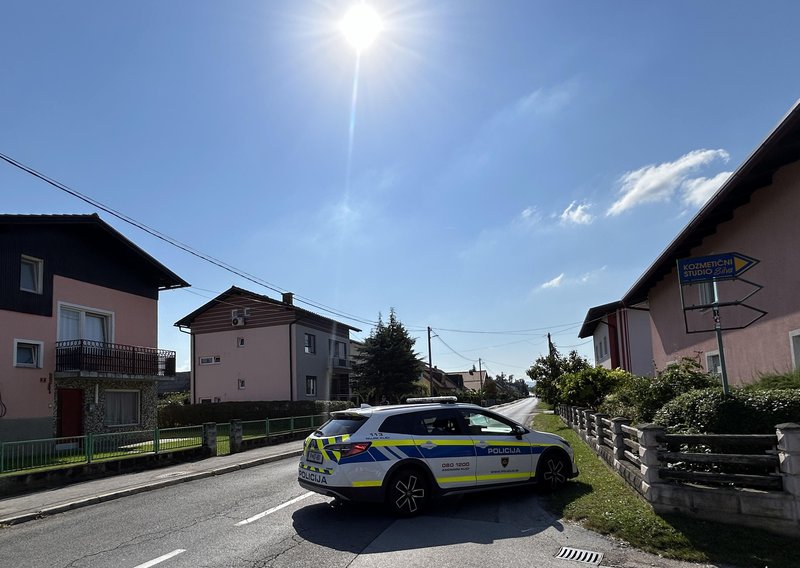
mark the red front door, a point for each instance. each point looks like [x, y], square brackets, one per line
[70, 412]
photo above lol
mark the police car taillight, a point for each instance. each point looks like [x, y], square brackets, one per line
[348, 450]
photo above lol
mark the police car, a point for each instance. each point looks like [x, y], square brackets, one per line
[403, 455]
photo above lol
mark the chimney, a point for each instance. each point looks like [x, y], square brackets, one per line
[288, 298]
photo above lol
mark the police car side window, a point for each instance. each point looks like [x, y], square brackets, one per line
[397, 424]
[486, 425]
[438, 423]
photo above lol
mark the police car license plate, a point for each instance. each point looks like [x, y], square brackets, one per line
[314, 457]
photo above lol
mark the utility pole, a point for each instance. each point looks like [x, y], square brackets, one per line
[480, 373]
[430, 361]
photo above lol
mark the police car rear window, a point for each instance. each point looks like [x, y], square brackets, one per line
[340, 425]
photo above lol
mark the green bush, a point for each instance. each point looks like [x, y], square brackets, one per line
[744, 411]
[777, 381]
[638, 398]
[588, 387]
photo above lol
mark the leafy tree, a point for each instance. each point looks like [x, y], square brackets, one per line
[387, 367]
[547, 369]
[588, 387]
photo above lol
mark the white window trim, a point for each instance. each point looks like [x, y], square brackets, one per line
[312, 350]
[708, 355]
[39, 274]
[240, 341]
[138, 408]
[314, 383]
[110, 317]
[795, 360]
[215, 360]
[39, 353]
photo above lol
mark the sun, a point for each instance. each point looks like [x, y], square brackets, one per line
[360, 26]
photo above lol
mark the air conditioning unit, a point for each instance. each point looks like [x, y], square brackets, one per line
[237, 321]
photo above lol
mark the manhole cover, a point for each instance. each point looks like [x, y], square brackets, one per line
[578, 555]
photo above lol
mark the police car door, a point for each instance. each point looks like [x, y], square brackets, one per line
[502, 456]
[446, 448]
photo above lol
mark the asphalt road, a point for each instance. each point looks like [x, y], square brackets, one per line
[261, 517]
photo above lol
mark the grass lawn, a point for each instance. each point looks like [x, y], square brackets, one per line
[600, 500]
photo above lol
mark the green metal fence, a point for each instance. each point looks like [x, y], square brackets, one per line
[52, 453]
[75, 450]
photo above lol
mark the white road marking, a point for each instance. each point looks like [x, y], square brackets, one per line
[270, 511]
[161, 559]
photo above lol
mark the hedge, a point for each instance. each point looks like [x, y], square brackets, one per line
[744, 411]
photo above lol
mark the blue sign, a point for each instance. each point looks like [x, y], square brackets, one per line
[725, 266]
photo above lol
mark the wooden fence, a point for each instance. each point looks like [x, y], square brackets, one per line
[740, 479]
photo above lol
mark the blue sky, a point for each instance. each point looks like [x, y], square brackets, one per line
[512, 163]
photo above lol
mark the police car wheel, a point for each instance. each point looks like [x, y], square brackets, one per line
[407, 492]
[552, 470]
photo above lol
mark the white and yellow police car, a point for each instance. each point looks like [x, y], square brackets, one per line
[405, 454]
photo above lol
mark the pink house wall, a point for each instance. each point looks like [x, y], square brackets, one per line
[28, 393]
[263, 363]
[768, 229]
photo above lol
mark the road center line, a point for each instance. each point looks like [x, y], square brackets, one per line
[270, 511]
[161, 559]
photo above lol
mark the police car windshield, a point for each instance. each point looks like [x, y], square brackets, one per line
[340, 425]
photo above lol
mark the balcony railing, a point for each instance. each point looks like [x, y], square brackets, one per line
[84, 356]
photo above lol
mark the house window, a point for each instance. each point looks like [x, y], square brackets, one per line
[713, 363]
[211, 360]
[241, 383]
[30, 274]
[338, 349]
[310, 343]
[794, 338]
[79, 323]
[122, 407]
[28, 353]
[707, 293]
[240, 342]
[311, 386]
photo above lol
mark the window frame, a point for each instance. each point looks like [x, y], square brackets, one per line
[83, 311]
[311, 380]
[708, 356]
[38, 273]
[310, 347]
[214, 360]
[794, 336]
[38, 353]
[138, 408]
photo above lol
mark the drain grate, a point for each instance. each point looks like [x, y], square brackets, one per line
[578, 555]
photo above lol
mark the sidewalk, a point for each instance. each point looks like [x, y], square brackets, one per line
[48, 502]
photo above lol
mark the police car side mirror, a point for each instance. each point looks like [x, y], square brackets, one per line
[518, 432]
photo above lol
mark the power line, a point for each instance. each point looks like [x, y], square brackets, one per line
[182, 246]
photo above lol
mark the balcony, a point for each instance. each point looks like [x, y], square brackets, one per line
[84, 358]
[340, 364]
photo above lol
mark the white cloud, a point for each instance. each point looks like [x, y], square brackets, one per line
[544, 102]
[655, 183]
[697, 191]
[529, 217]
[554, 283]
[577, 214]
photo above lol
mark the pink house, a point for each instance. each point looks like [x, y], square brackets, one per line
[755, 213]
[249, 347]
[78, 328]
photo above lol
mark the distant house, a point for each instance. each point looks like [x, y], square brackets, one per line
[78, 340]
[444, 383]
[247, 346]
[621, 337]
[754, 213]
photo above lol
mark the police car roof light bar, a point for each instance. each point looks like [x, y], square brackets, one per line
[441, 399]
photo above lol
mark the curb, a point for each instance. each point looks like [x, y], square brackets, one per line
[85, 502]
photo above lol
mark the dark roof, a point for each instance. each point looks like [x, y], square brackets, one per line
[186, 321]
[781, 147]
[165, 278]
[594, 315]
